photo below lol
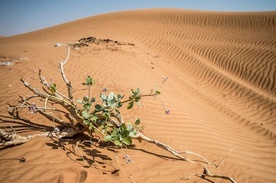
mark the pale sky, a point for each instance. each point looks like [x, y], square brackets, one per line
[20, 16]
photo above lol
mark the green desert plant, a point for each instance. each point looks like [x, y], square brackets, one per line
[86, 115]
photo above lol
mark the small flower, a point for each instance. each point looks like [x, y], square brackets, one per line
[165, 79]
[126, 156]
[128, 159]
[167, 111]
[105, 90]
[32, 108]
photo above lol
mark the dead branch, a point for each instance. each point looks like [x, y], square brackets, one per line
[75, 117]
[166, 147]
[207, 173]
[57, 93]
[67, 82]
[15, 139]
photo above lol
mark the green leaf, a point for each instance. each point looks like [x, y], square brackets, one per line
[103, 96]
[130, 104]
[114, 134]
[110, 124]
[137, 121]
[127, 141]
[106, 114]
[137, 99]
[137, 91]
[133, 133]
[123, 127]
[53, 88]
[85, 99]
[90, 126]
[88, 81]
[92, 100]
[86, 121]
[98, 107]
[119, 96]
[129, 127]
[94, 118]
[124, 133]
[157, 92]
[85, 114]
[87, 106]
[118, 143]
[107, 138]
[111, 96]
[79, 101]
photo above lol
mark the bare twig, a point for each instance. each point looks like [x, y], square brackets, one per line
[57, 93]
[207, 173]
[169, 149]
[67, 105]
[67, 82]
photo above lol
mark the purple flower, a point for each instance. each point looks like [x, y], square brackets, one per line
[32, 108]
[165, 79]
[167, 111]
[105, 90]
[128, 159]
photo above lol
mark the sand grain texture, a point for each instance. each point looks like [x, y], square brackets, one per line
[221, 93]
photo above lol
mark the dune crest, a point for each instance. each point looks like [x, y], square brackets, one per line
[221, 92]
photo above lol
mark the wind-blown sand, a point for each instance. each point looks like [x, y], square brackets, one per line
[221, 93]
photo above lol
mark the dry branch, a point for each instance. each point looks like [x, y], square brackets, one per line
[15, 139]
[67, 82]
[170, 149]
[207, 173]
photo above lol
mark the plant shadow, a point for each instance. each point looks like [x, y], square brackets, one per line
[84, 152]
[78, 148]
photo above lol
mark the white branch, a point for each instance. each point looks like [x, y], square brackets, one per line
[169, 149]
[68, 83]
[15, 139]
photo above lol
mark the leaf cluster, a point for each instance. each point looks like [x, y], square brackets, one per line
[105, 117]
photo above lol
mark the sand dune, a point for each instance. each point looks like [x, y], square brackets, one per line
[221, 93]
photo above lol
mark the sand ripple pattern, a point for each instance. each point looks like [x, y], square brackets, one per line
[221, 90]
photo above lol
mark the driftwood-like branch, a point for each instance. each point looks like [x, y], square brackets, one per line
[166, 147]
[15, 139]
[141, 136]
[67, 82]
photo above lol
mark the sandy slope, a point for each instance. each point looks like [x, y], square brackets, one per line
[221, 94]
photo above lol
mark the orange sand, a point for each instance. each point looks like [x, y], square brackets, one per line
[221, 94]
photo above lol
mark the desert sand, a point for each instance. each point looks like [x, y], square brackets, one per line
[221, 93]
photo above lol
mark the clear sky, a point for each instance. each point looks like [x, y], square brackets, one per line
[20, 16]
